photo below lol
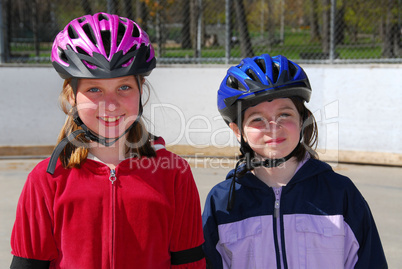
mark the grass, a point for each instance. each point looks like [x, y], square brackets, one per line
[295, 42]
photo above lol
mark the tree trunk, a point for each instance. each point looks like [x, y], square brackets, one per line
[185, 30]
[193, 24]
[340, 26]
[86, 6]
[128, 8]
[35, 27]
[6, 15]
[271, 24]
[159, 23]
[245, 41]
[314, 27]
[112, 6]
[397, 40]
[391, 34]
[141, 15]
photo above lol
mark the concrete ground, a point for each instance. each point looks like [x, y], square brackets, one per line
[381, 186]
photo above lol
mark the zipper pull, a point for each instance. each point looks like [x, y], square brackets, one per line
[277, 205]
[112, 177]
[277, 202]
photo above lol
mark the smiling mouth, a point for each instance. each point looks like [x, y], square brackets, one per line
[275, 141]
[110, 119]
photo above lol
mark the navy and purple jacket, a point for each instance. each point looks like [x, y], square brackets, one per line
[318, 220]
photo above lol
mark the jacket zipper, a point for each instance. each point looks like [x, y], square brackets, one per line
[277, 229]
[112, 179]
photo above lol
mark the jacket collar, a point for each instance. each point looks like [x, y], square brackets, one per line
[309, 168]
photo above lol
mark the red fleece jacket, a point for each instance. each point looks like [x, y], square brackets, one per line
[78, 218]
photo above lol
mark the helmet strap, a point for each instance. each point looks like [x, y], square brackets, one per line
[270, 163]
[251, 162]
[74, 86]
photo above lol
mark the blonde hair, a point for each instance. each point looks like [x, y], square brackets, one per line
[138, 138]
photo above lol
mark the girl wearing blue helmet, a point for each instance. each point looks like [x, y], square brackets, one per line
[281, 207]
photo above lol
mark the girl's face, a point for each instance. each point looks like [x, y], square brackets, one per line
[272, 129]
[108, 106]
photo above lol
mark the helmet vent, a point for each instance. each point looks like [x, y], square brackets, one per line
[103, 17]
[120, 33]
[275, 72]
[89, 32]
[252, 75]
[81, 20]
[148, 53]
[136, 31]
[106, 38]
[233, 83]
[261, 64]
[72, 33]
[62, 54]
[133, 48]
[292, 69]
[80, 50]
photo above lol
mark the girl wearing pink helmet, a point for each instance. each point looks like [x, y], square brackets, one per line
[111, 195]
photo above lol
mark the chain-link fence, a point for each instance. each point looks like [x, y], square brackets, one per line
[220, 31]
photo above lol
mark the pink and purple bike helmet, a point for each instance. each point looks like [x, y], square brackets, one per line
[102, 46]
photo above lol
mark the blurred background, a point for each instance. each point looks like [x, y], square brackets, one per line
[350, 49]
[220, 31]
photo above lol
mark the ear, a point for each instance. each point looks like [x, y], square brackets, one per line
[142, 85]
[71, 99]
[236, 130]
[140, 80]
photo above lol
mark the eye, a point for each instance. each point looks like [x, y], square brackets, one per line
[284, 115]
[257, 119]
[124, 88]
[94, 89]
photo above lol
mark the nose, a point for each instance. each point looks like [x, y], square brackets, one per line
[111, 107]
[110, 102]
[272, 125]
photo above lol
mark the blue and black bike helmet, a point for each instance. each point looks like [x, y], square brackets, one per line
[258, 79]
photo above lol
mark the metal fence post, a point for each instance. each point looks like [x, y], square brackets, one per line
[199, 31]
[2, 50]
[332, 32]
[228, 32]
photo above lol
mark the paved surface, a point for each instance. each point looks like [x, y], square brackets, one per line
[381, 186]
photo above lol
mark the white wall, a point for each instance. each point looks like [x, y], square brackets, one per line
[358, 107]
